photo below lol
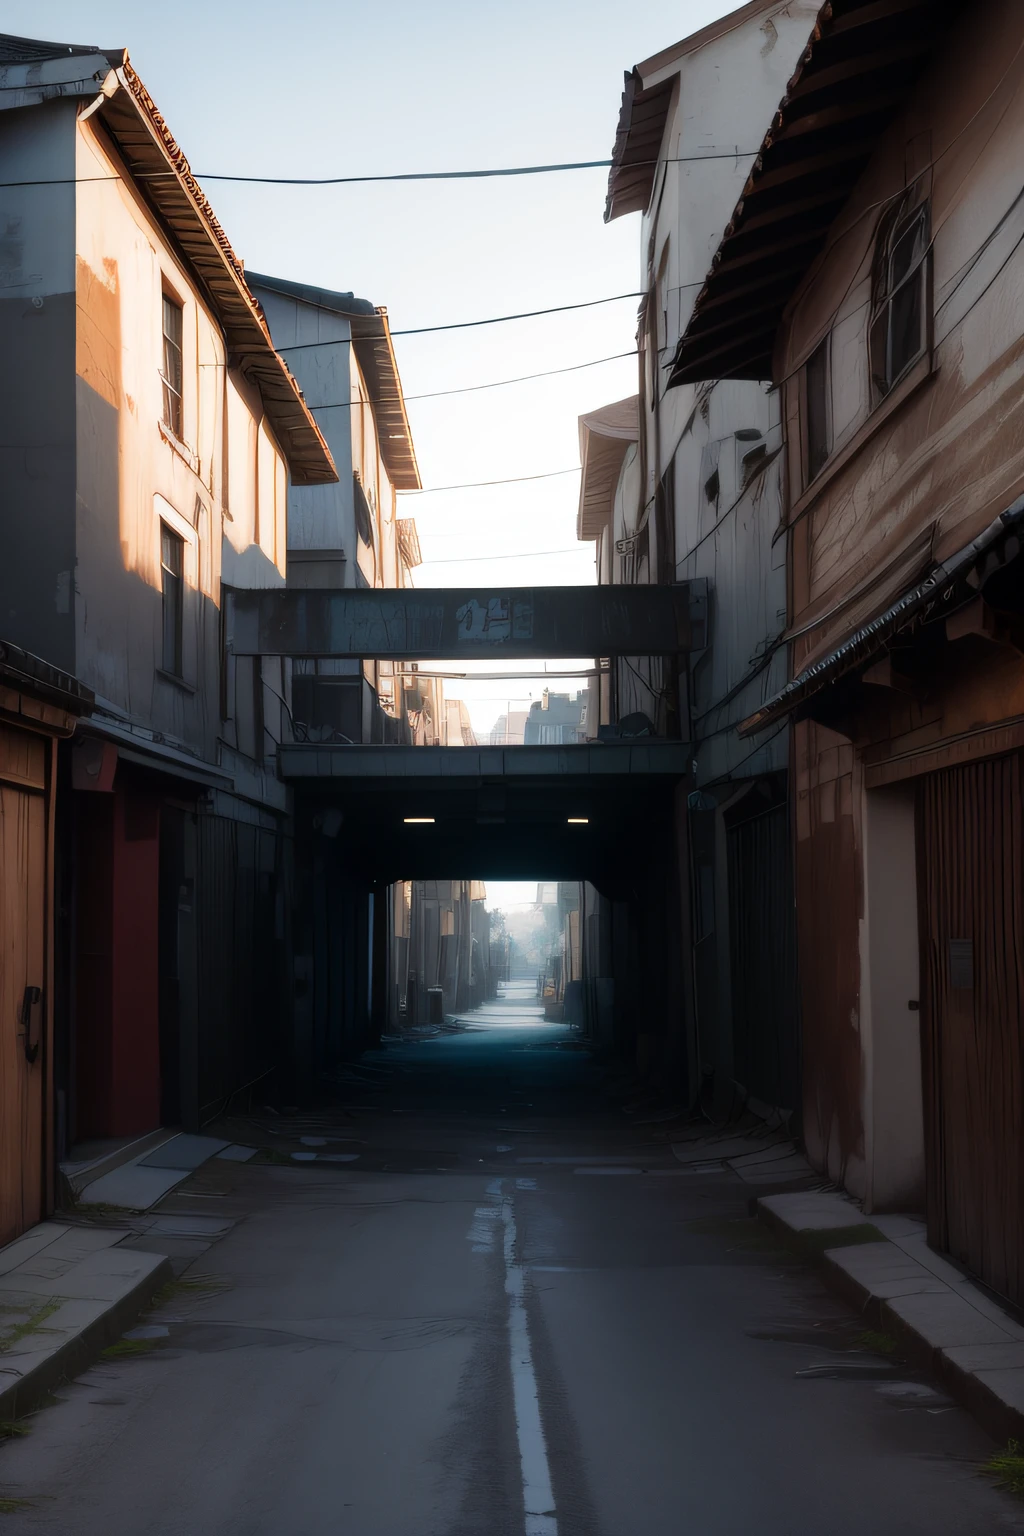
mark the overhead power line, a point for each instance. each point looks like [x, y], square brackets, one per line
[471, 389]
[343, 181]
[522, 378]
[475, 485]
[464, 325]
[529, 554]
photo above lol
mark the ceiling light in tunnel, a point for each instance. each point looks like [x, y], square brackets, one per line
[418, 821]
[578, 821]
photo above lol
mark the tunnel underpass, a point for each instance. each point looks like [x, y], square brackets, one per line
[606, 816]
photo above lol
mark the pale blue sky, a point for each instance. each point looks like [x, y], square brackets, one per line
[320, 89]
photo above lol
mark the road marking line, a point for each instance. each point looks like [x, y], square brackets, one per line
[538, 1499]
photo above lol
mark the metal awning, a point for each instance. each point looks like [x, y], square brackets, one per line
[970, 565]
[860, 64]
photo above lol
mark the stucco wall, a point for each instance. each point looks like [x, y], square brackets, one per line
[37, 388]
[221, 487]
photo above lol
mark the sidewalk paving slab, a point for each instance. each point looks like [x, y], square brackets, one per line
[72, 1291]
[885, 1268]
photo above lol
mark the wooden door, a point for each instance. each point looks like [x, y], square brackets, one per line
[970, 829]
[23, 961]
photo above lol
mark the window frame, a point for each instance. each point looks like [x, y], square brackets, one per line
[172, 413]
[813, 466]
[172, 590]
[886, 292]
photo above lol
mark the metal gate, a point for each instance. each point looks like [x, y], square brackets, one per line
[971, 873]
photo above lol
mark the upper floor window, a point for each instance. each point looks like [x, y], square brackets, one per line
[817, 408]
[898, 334]
[171, 372]
[172, 563]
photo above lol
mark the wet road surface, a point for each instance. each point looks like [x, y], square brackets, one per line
[514, 1314]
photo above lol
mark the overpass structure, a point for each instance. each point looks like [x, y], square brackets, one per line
[468, 623]
[608, 812]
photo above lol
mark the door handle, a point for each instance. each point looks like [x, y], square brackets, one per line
[30, 998]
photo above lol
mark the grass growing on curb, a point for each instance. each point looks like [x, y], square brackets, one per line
[11, 1429]
[34, 1324]
[126, 1349]
[877, 1343]
[1007, 1468]
[13, 1506]
[198, 1286]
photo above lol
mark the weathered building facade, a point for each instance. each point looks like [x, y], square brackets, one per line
[895, 339]
[684, 483]
[161, 430]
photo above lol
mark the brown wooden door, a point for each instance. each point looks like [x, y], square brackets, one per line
[970, 829]
[23, 957]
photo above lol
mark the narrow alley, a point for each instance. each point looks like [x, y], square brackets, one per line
[512, 768]
[514, 1311]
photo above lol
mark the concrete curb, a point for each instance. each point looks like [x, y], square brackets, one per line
[942, 1321]
[79, 1349]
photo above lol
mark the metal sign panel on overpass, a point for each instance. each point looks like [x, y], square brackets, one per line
[425, 624]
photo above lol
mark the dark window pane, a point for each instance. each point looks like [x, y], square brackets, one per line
[819, 444]
[905, 326]
[172, 370]
[907, 250]
[171, 561]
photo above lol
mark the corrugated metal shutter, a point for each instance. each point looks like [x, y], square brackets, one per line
[970, 826]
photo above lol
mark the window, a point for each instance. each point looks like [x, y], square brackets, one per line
[817, 392]
[899, 297]
[171, 373]
[172, 550]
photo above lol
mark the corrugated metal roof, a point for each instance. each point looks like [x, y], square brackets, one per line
[163, 177]
[644, 112]
[30, 50]
[375, 353]
[642, 119]
[861, 60]
[21, 669]
[866, 643]
[605, 436]
[165, 180]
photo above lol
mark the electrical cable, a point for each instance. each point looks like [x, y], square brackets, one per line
[469, 389]
[474, 485]
[464, 325]
[529, 554]
[343, 181]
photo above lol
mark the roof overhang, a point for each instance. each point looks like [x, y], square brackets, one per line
[165, 180]
[32, 675]
[375, 354]
[966, 570]
[861, 62]
[605, 436]
[641, 128]
[646, 102]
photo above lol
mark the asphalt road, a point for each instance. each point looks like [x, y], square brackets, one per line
[450, 1336]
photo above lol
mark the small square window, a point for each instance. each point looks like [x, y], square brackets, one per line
[172, 564]
[171, 372]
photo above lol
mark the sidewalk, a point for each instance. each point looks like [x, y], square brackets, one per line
[66, 1292]
[71, 1287]
[884, 1266]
